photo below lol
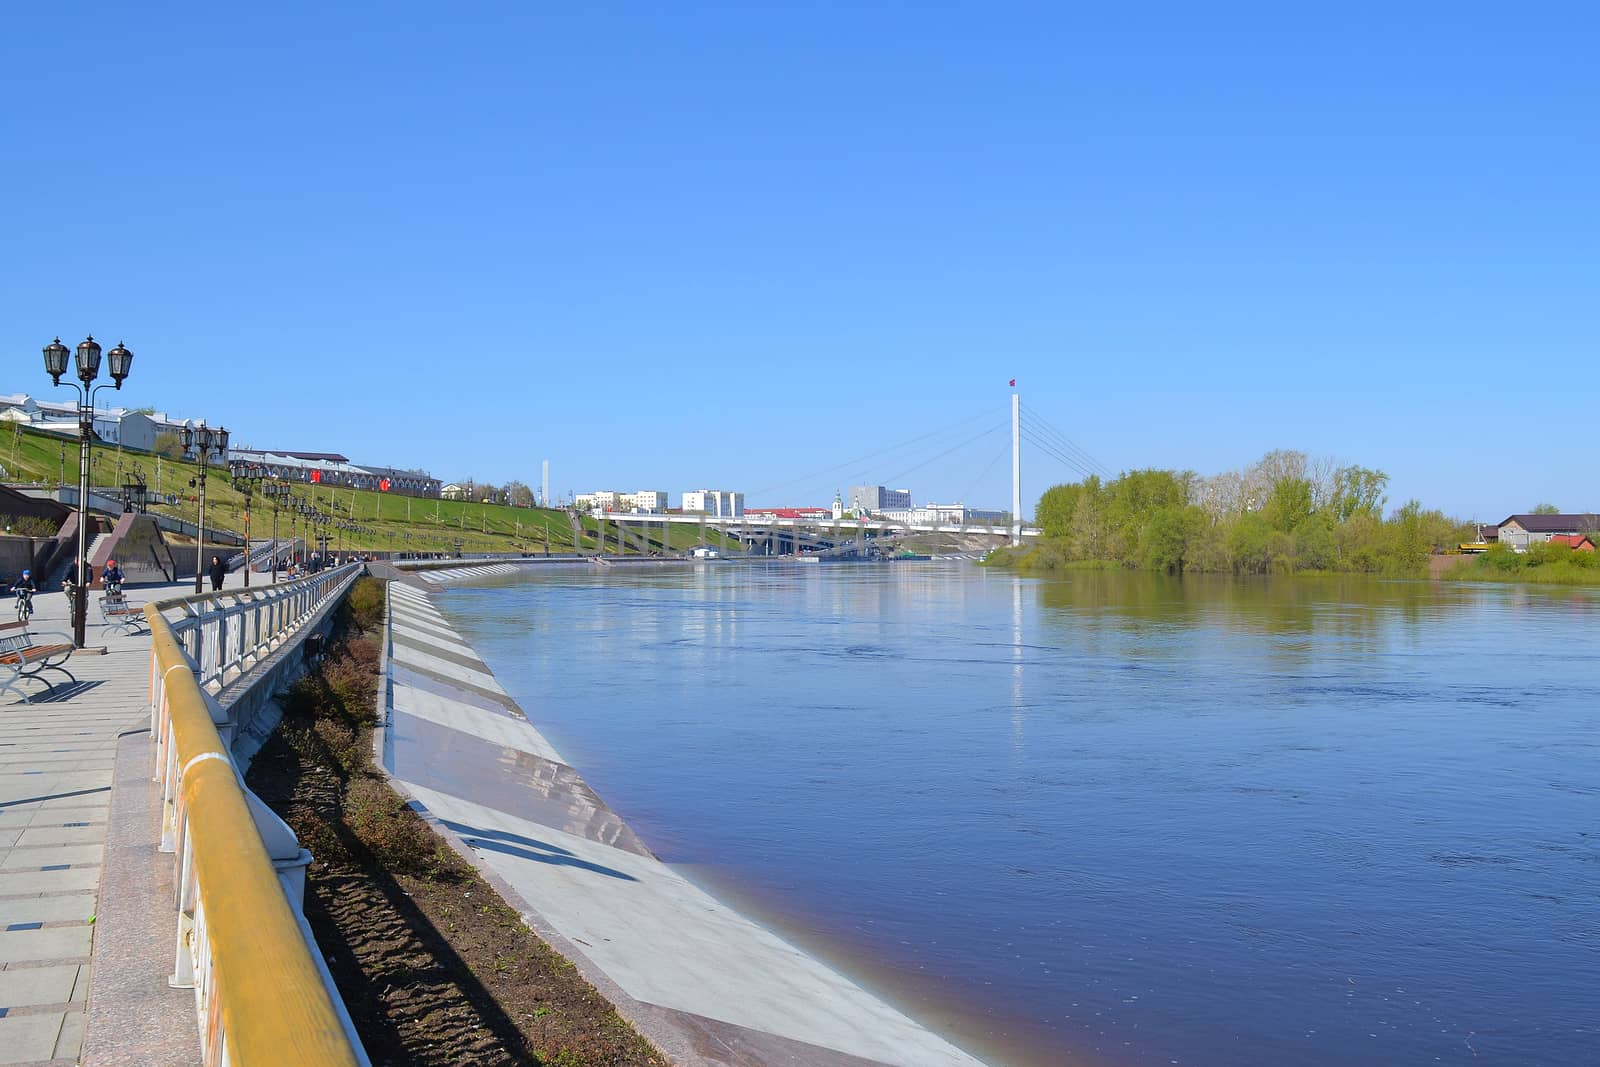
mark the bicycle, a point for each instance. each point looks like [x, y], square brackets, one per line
[24, 605]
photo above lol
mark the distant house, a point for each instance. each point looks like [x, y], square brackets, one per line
[1519, 531]
[455, 492]
[1576, 542]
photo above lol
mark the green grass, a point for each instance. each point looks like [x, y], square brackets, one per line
[394, 522]
[1542, 565]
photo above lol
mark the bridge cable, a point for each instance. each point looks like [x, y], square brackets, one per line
[1064, 443]
[1070, 462]
[1005, 448]
[1065, 446]
[962, 444]
[1049, 449]
[959, 424]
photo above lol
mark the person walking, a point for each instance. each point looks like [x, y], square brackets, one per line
[218, 570]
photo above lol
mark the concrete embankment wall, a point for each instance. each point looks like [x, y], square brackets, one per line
[703, 982]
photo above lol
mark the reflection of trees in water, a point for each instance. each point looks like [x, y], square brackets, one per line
[1368, 612]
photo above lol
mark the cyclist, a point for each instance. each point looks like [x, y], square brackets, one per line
[69, 585]
[25, 588]
[111, 578]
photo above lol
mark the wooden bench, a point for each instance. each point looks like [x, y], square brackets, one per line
[121, 616]
[28, 655]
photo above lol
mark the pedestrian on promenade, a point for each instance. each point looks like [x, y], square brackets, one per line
[217, 571]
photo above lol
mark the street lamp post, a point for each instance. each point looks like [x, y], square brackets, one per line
[278, 493]
[55, 365]
[246, 476]
[204, 442]
[305, 527]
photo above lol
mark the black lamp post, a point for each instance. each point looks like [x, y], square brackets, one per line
[55, 365]
[246, 476]
[304, 511]
[205, 443]
[278, 493]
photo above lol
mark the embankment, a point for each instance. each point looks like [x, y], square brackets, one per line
[701, 980]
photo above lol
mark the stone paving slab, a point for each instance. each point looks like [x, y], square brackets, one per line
[36, 986]
[66, 907]
[57, 762]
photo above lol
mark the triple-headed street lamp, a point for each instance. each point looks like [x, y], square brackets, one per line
[205, 443]
[55, 365]
[246, 476]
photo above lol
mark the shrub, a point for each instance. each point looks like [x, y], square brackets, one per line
[383, 822]
[364, 606]
[30, 525]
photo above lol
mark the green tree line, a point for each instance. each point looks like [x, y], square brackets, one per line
[1285, 514]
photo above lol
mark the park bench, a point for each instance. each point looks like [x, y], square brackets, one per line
[121, 616]
[28, 655]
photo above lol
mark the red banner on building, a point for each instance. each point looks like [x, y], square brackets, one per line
[383, 485]
[316, 476]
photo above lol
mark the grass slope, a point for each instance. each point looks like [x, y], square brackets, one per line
[389, 521]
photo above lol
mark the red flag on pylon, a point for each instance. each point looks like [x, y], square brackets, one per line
[1013, 383]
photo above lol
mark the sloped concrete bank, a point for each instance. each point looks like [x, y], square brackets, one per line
[706, 984]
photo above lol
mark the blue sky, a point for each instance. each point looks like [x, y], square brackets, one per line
[749, 246]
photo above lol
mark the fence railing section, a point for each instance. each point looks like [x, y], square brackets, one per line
[227, 633]
[262, 993]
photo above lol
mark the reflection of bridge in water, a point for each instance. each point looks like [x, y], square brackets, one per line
[821, 537]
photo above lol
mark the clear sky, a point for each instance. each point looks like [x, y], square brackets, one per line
[750, 245]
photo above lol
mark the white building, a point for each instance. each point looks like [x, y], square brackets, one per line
[876, 500]
[648, 501]
[599, 500]
[942, 515]
[717, 503]
[123, 427]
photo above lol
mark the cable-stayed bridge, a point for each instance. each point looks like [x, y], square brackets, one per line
[834, 536]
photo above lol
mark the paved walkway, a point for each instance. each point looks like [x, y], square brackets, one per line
[706, 984]
[56, 761]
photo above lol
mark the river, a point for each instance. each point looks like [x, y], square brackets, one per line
[1110, 818]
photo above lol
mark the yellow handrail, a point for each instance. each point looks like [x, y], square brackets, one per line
[260, 995]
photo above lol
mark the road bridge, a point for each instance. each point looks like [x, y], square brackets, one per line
[824, 537]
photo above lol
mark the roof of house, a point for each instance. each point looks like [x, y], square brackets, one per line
[1571, 540]
[1555, 523]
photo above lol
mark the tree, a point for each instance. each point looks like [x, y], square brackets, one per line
[169, 444]
[518, 495]
[1357, 491]
[1167, 537]
[1546, 509]
[1288, 504]
[1409, 545]
[1088, 521]
[1056, 508]
[1250, 545]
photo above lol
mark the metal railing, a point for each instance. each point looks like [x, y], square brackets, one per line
[227, 633]
[262, 991]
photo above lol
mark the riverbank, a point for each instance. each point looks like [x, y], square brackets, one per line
[701, 980]
[433, 967]
[1559, 566]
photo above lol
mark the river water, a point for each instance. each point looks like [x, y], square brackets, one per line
[1111, 818]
